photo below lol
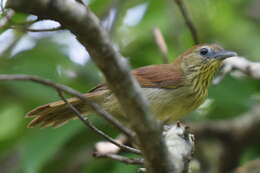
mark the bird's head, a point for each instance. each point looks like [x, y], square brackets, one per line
[204, 58]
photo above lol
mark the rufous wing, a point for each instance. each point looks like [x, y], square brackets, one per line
[153, 76]
[159, 76]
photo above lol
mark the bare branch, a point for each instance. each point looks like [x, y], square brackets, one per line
[239, 64]
[132, 161]
[86, 121]
[242, 64]
[74, 93]
[188, 21]
[160, 42]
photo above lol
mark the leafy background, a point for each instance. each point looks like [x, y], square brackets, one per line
[59, 57]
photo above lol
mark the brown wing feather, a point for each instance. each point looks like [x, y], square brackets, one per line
[153, 76]
[158, 76]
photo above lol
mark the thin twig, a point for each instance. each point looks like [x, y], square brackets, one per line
[88, 123]
[75, 93]
[39, 30]
[45, 30]
[188, 21]
[132, 161]
[160, 42]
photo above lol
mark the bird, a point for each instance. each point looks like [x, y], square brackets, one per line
[172, 90]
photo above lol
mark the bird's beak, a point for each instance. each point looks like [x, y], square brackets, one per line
[224, 54]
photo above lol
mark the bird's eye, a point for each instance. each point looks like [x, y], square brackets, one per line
[204, 51]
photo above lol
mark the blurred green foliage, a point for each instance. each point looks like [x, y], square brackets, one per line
[233, 24]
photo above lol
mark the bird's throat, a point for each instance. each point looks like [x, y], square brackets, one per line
[199, 81]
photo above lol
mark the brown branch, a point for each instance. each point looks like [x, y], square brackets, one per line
[160, 42]
[86, 26]
[98, 110]
[188, 21]
[132, 161]
[88, 123]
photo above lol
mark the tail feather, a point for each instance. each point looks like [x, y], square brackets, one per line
[37, 110]
[58, 119]
[47, 107]
[54, 114]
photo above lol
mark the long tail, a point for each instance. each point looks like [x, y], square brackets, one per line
[54, 114]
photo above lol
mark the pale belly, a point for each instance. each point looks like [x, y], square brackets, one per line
[166, 104]
[170, 104]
